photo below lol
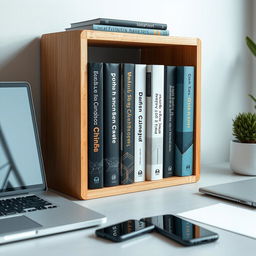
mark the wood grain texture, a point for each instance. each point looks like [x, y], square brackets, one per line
[197, 113]
[126, 39]
[139, 186]
[64, 58]
[62, 91]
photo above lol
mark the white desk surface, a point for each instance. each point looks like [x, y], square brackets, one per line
[135, 206]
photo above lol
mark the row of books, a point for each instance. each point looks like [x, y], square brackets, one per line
[123, 26]
[140, 122]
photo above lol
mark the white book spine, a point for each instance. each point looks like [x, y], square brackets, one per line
[140, 123]
[155, 115]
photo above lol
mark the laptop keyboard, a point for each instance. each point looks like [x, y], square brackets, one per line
[23, 205]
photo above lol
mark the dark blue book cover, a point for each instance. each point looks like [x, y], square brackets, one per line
[169, 120]
[112, 142]
[127, 163]
[184, 121]
[95, 125]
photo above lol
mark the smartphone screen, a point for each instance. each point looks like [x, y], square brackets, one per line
[181, 230]
[125, 230]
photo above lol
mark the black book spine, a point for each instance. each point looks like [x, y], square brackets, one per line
[169, 121]
[111, 124]
[127, 159]
[95, 125]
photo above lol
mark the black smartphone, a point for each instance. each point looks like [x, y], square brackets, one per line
[124, 230]
[180, 230]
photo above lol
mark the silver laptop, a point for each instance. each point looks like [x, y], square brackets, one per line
[27, 209]
[243, 192]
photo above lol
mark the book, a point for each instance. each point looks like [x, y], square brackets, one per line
[155, 116]
[140, 123]
[111, 113]
[120, 29]
[169, 121]
[123, 23]
[95, 125]
[184, 121]
[127, 158]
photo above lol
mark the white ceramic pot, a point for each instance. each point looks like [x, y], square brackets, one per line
[243, 158]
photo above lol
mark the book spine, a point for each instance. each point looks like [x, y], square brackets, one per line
[95, 125]
[184, 121]
[127, 167]
[131, 23]
[111, 124]
[155, 107]
[140, 123]
[169, 124]
[130, 30]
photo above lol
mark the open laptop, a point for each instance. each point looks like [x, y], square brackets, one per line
[243, 191]
[27, 209]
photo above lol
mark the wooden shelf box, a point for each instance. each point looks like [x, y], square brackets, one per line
[64, 99]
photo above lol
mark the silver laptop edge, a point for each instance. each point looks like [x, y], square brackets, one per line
[238, 191]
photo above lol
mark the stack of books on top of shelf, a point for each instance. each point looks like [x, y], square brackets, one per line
[140, 122]
[123, 26]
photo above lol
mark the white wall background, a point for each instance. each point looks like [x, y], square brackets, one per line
[221, 24]
[252, 57]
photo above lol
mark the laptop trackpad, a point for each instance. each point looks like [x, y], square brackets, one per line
[15, 224]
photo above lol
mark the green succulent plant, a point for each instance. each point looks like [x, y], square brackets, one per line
[244, 127]
[252, 46]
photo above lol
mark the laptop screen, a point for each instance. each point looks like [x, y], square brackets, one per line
[20, 156]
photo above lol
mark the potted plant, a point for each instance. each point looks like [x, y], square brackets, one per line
[243, 149]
